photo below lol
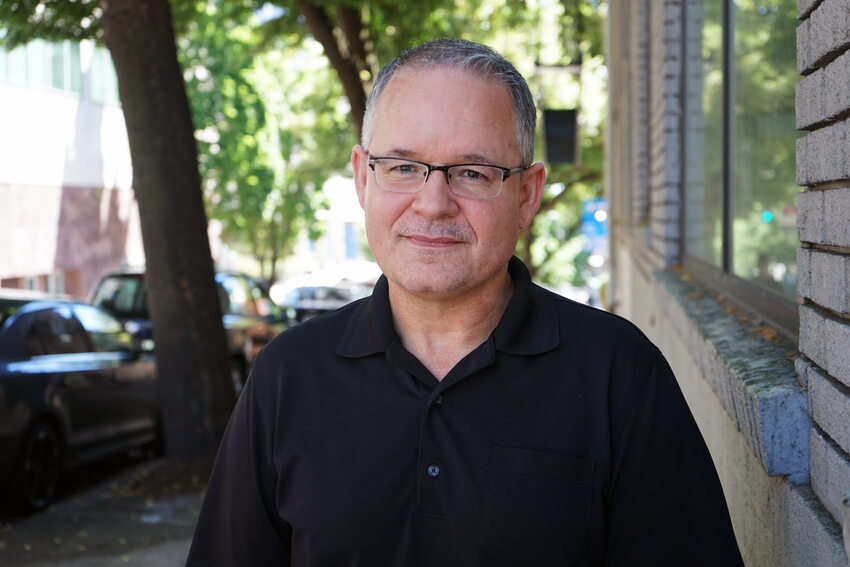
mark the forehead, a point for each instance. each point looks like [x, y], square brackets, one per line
[445, 109]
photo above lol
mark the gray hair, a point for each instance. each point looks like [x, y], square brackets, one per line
[466, 56]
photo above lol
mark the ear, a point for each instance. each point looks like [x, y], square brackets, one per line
[530, 193]
[360, 165]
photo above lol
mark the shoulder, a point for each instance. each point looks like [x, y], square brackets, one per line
[613, 357]
[596, 328]
[321, 332]
[305, 344]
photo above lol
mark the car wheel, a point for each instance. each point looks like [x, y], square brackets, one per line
[38, 469]
[238, 374]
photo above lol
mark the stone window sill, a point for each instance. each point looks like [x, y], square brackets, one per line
[751, 369]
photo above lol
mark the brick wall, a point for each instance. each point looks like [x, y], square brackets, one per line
[77, 232]
[638, 179]
[823, 222]
[778, 429]
[665, 113]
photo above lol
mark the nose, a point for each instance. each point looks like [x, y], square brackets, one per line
[435, 200]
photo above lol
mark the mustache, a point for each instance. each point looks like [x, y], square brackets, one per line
[437, 230]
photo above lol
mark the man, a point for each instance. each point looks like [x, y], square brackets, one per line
[461, 415]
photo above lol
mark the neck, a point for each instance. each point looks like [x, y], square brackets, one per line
[440, 331]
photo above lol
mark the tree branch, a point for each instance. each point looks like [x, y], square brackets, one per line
[321, 27]
[352, 27]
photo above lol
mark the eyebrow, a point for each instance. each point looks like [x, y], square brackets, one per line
[464, 158]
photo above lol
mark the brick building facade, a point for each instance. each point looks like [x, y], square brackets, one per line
[729, 179]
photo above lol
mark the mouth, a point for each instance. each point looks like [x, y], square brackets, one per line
[431, 241]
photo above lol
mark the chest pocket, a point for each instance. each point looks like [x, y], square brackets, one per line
[536, 508]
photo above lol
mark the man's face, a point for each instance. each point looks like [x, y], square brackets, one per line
[433, 242]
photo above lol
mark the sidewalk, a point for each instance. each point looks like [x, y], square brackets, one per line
[121, 522]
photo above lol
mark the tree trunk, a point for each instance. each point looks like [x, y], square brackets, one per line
[194, 384]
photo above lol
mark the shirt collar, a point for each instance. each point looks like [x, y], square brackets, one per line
[371, 329]
[528, 326]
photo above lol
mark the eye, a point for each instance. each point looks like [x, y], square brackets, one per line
[403, 168]
[400, 169]
[474, 174]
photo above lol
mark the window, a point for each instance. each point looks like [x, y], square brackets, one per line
[104, 82]
[56, 332]
[124, 296]
[739, 175]
[43, 64]
[107, 334]
[237, 298]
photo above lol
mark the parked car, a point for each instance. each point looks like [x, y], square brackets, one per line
[74, 387]
[251, 319]
[308, 301]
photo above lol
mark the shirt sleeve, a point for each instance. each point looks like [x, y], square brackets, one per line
[238, 523]
[666, 505]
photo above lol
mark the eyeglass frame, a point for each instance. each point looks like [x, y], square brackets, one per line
[506, 172]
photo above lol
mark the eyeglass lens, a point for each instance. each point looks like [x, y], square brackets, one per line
[481, 181]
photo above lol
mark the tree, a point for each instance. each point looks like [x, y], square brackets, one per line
[552, 246]
[310, 140]
[358, 38]
[270, 130]
[193, 378]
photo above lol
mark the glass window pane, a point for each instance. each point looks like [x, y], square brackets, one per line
[17, 65]
[123, 296]
[704, 130]
[59, 333]
[239, 297]
[764, 214]
[37, 59]
[75, 70]
[104, 83]
[56, 54]
[106, 332]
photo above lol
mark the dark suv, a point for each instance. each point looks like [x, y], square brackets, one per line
[250, 317]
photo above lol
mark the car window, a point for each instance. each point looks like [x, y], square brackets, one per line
[240, 298]
[123, 296]
[266, 307]
[299, 294]
[55, 331]
[8, 307]
[106, 332]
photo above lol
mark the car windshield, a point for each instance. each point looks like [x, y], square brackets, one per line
[123, 295]
[241, 295]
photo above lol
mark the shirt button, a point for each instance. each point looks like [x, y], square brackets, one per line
[438, 401]
[433, 471]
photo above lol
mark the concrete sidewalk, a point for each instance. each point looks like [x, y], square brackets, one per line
[119, 522]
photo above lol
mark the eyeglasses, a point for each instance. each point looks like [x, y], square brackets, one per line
[473, 180]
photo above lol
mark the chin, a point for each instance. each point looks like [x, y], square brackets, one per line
[427, 286]
[427, 280]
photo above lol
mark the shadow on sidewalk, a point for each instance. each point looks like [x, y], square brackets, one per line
[144, 517]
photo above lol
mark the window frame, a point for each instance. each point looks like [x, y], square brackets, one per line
[777, 310]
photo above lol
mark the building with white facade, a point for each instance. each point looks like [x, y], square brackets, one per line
[67, 210]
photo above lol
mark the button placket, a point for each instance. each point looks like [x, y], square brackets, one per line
[430, 499]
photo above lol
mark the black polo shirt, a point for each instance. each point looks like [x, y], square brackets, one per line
[561, 440]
